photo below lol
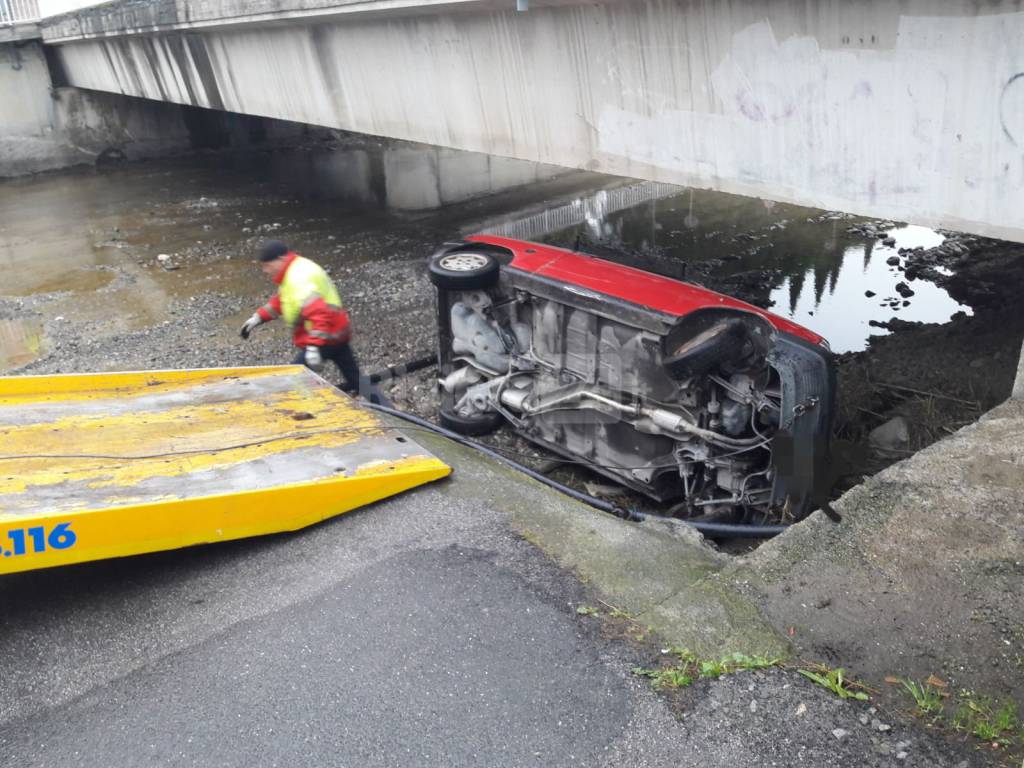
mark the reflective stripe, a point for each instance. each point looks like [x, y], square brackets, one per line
[269, 309]
[329, 336]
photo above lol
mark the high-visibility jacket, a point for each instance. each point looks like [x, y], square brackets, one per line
[308, 301]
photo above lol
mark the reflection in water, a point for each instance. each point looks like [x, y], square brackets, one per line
[839, 300]
[821, 273]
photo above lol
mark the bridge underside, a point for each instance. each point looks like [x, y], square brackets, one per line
[911, 110]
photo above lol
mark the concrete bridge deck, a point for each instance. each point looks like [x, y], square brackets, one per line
[910, 110]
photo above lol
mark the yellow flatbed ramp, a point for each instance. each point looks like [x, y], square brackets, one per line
[104, 465]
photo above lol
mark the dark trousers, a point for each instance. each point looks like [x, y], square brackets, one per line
[343, 357]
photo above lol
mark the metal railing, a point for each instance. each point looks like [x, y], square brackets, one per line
[18, 11]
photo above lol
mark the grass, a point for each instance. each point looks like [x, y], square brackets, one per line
[836, 681]
[997, 724]
[927, 697]
[686, 668]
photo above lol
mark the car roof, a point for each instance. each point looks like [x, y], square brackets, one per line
[636, 286]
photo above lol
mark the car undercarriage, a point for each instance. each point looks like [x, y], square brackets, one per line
[687, 397]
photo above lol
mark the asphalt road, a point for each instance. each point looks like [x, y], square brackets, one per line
[421, 631]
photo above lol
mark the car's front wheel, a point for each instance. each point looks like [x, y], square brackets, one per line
[464, 271]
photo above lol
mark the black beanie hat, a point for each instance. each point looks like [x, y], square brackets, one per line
[272, 249]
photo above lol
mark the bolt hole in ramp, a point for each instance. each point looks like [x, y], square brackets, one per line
[104, 465]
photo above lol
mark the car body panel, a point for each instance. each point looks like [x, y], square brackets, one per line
[655, 292]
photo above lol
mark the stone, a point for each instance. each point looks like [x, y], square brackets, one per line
[892, 261]
[894, 435]
[890, 241]
[840, 733]
[869, 294]
[904, 290]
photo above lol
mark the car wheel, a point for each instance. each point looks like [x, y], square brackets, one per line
[471, 426]
[464, 270]
[723, 343]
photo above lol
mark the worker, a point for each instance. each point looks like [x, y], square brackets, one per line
[309, 303]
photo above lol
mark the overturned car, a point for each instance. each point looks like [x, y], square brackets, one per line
[685, 395]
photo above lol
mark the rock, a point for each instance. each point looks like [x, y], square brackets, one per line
[904, 290]
[840, 733]
[163, 258]
[864, 719]
[892, 261]
[869, 294]
[894, 435]
[753, 705]
[890, 241]
[901, 755]
[879, 725]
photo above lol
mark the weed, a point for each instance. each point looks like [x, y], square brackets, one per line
[689, 668]
[981, 718]
[587, 610]
[927, 698]
[834, 680]
[666, 677]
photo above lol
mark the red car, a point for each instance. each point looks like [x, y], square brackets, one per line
[678, 392]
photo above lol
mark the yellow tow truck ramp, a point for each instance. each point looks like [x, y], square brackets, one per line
[105, 465]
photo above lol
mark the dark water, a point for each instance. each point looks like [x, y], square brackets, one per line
[823, 272]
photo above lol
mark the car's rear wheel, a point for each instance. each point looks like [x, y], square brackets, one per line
[464, 271]
[471, 426]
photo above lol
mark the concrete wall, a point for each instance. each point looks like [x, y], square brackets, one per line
[906, 109]
[42, 129]
[419, 177]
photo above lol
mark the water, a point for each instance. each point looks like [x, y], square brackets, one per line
[824, 273]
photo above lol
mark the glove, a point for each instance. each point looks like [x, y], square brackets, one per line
[314, 361]
[250, 325]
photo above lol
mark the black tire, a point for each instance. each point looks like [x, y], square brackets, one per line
[472, 426]
[722, 343]
[464, 270]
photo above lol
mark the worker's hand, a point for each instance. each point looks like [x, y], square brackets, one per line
[250, 325]
[314, 360]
